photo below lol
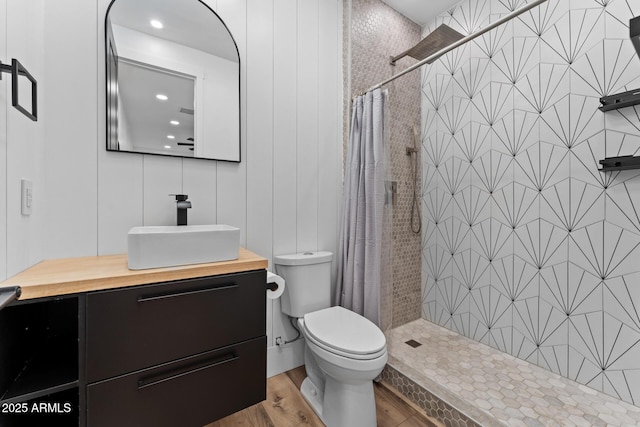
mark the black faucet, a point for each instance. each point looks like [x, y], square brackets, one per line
[183, 205]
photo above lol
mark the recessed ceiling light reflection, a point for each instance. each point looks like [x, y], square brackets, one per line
[162, 97]
[171, 137]
[174, 122]
[156, 24]
[167, 146]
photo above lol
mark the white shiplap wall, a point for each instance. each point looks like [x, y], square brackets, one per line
[21, 140]
[284, 195]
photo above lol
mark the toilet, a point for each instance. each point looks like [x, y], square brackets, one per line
[344, 351]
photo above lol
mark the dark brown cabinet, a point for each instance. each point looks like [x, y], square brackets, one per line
[182, 353]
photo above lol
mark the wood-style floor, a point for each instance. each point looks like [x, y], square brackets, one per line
[285, 407]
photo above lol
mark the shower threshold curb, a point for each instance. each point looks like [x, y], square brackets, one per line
[434, 399]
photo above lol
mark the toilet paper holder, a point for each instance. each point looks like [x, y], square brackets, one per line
[273, 286]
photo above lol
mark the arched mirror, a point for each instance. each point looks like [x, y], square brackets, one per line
[172, 80]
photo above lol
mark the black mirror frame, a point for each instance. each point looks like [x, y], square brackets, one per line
[109, 135]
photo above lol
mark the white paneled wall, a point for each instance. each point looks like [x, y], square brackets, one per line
[284, 195]
[21, 142]
[4, 102]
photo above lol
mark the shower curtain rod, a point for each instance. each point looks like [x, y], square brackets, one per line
[460, 42]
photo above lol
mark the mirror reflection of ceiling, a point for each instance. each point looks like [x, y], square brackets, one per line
[148, 130]
[420, 11]
[179, 18]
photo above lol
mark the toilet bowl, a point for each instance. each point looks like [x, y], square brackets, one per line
[344, 351]
[344, 396]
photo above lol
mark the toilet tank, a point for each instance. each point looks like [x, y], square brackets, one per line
[307, 279]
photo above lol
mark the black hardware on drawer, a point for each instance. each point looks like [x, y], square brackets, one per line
[187, 370]
[159, 297]
[189, 392]
[134, 328]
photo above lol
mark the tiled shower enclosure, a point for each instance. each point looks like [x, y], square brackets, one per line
[527, 247]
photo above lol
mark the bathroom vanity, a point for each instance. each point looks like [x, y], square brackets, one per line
[91, 343]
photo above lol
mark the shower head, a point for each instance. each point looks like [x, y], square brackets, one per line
[440, 38]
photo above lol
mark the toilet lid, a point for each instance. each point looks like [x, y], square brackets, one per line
[344, 330]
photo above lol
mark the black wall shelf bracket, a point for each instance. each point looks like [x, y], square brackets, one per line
[17, 69]
[620, 100]
[620, 163]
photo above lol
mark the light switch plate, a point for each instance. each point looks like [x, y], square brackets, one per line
[27, 196]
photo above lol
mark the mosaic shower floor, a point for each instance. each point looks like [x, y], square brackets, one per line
[496, 389]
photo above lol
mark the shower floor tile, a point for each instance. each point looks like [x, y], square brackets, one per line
[493, 388]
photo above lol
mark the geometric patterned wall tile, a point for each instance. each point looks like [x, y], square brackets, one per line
[522, 346]
[606, 69]
[514, 204]
[516, 131]
[545, 247]
[506, 6]
[473, 75]
[436, 147]
[436, 261]
[428, 296]
[453, 233]
[471, 269]
[571, 289]
[575, 32]
[494, 101]
[555, 357]
[585, 158]
[541, 243]
[488, 306]
[515, 278]
[517, 58]
[543, 165]
[623, 10]
[539, 20]
[454, 114]
[622, 144]
[606, 250]
[623, 205]
[435, 91]
[451, 295]
[473, 205]
[436, 204]
[473, 140]
[490, 43]
[583, 366]
[430, 178]
[453, 62]
[430, 233]
[453, 173]
[429, 120]
[631, 117]
[540, 322]
[574, 203]
[572, 120]
[542, 87]
[490, 170]
[620, 295]
[609, 344]
[493, 238]
[469, 16]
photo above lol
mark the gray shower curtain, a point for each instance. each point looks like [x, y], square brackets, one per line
[360, 246]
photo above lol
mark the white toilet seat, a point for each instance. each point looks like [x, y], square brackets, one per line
[344, 333]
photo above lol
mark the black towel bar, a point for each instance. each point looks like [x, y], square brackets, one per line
[17, 69]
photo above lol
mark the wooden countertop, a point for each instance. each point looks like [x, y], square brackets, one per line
[73, 275]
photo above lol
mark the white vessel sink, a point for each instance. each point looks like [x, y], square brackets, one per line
[169, 246]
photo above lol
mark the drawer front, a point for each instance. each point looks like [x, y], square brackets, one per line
[190, 392]
[135, 328]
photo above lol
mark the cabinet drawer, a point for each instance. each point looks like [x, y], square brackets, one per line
[189, 392]
[135, 328]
